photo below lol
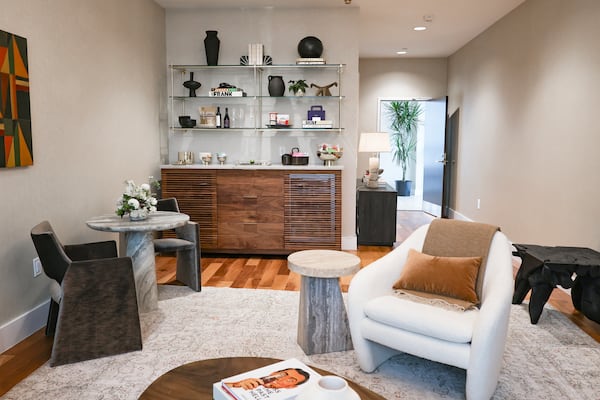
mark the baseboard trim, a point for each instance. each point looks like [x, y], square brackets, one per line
[453, 214]
[23, 326]
[349, 243]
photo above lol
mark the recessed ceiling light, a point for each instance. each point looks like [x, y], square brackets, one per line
[420, 28]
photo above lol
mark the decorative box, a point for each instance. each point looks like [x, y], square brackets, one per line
[316, 112]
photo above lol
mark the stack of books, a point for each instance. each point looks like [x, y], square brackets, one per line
[226, 92]
[317, 124]
[255, 53]
[283, 380]
[310, 61]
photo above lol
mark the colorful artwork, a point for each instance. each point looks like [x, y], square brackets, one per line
[16, 148]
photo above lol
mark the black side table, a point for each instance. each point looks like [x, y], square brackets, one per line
[545, 267]
[376, 215]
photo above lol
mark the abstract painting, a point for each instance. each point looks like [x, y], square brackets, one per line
[16, 149]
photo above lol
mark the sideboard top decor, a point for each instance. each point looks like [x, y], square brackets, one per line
[16, 149]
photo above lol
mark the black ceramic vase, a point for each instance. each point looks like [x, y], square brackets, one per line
[192, 85]
[211, 47]
[310, 47]
[276, 86]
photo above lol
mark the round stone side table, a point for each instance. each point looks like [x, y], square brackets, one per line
[322, 319]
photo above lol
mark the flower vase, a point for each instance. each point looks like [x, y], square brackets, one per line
[138, 215]
[211, 47]
[328, 388]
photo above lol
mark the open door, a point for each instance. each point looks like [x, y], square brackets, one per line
[435, 157]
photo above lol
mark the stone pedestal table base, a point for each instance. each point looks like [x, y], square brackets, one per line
[322, 318]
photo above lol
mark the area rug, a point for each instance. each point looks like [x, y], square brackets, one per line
[550, 360]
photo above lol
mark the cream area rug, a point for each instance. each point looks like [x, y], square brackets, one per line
[550, 360]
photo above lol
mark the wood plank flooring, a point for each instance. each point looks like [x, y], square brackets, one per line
[258, 272]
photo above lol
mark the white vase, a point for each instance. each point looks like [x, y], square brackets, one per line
[328, 387]
[138, 215]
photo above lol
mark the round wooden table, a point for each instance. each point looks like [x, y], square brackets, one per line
[322, 319]
[135, 241]
[195, 380]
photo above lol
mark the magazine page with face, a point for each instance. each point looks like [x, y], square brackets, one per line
[279, 381]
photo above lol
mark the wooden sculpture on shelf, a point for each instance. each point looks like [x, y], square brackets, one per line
[323, 90]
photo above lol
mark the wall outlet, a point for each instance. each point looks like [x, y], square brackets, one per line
[37, 267]
[479, 204]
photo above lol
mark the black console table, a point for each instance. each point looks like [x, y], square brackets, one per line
[544, 267]
[376, 215]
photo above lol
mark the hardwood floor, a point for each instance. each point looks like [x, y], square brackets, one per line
[256, 272]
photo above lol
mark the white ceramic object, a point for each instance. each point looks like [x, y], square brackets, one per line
[329, 387]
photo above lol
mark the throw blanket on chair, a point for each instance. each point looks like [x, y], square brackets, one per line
[453, 238]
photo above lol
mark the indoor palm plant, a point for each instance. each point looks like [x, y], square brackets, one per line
[405, 117]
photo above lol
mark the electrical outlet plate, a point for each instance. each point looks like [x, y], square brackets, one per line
[37, 267]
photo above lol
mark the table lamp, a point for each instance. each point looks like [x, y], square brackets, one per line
[374, 142]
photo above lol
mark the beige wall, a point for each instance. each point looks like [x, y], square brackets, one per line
[406, 78]
[97, 88]
[527, 90]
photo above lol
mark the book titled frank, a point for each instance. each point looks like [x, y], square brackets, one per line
[283, 380]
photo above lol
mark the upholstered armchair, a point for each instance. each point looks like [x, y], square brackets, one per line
[383, 323]
[93, 306]
[185, 244]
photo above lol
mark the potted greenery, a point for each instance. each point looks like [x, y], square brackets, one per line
[405, 117]
[298, 87]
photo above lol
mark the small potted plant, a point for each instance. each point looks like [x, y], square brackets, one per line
[298, 87]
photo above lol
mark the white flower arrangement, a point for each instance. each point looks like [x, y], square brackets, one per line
[136, 198]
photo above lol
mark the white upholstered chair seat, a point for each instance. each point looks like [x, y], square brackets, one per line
[424, 319]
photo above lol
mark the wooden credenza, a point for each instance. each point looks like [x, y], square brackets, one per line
[259, 211]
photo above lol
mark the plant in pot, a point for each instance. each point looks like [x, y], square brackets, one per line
[298, 87]
[405, 118]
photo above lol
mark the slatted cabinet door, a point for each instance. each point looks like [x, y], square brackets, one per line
[196, 193]
[313, 211]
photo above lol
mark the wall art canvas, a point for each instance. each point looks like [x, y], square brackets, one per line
[16, 149]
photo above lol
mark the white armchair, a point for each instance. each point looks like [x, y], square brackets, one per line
[383, 324]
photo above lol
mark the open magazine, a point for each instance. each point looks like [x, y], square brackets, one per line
[283, 380]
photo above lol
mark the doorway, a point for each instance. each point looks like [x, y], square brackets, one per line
[428, 169]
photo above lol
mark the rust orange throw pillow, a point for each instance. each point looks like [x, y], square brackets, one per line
[447, 276]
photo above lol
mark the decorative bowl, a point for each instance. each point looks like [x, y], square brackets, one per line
[206, 158]
[329, 156]
[221, 158]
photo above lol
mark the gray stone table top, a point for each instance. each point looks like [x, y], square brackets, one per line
[323, 263]
[156, 221]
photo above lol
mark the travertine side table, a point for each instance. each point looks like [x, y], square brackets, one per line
[322, 319]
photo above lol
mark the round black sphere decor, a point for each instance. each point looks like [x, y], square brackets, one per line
[310, 47]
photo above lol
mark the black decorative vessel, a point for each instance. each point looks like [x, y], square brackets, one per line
[211, 47]
[192, 85]
[276, 86]
[310, 47]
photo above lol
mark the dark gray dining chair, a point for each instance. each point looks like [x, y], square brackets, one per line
[186, 245]
[93, 307]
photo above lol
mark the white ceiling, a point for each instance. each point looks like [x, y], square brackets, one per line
[386, 26]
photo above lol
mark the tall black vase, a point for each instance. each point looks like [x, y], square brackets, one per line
[211, 47]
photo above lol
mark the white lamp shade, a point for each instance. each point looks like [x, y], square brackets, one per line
[374, 142]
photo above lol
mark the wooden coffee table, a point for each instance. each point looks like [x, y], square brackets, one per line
[195, 380]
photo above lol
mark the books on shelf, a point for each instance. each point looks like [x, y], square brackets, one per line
[317, 124]
[310, 61]
[283, 380]
[226, 92]
[255, 53]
